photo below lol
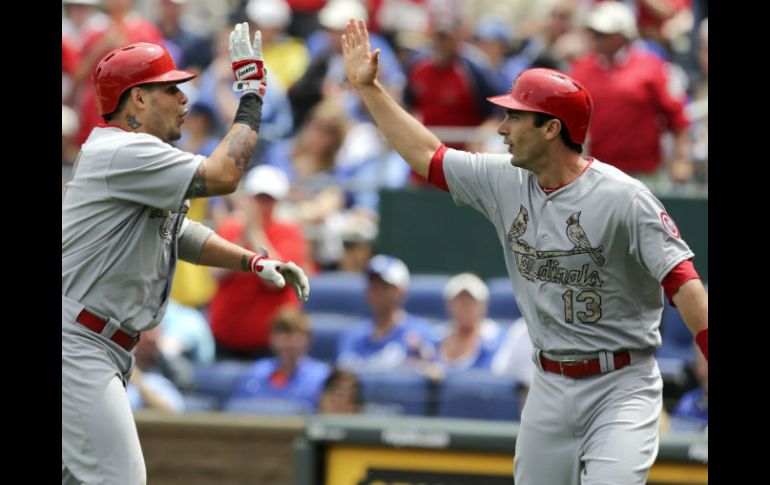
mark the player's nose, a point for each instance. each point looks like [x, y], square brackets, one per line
[502, 130]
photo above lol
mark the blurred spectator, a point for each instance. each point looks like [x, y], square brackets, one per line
[325, 77]
[698, 109]
[448, 86]
[514, 358]
[244, 305]
[185, 333]
[195, 50]
[286, 57]
[555, 42]
[493, 36]
[692, 411]
[291, 375]
[80, 16]
[392, 338]
[69, 148]
[215, 89]
[664, 22]
[194, 285]
[315, 197]
[304, 19]
[148, 387]
[469, 340]
[341, 394]
[358, 236]
[124, 25]
[636, 100]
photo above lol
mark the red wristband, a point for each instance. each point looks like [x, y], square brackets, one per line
[703, 342]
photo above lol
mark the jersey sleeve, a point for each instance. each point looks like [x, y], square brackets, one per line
[656, 242]
[149, 172]
[475, 178]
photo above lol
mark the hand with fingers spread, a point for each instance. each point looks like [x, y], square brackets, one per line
[361, 64]
[281, 272]
[247, 63]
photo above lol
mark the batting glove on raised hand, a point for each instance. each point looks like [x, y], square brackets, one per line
[248, 66]
[281, 272]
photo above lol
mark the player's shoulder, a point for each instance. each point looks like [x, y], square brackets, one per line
[117, 138]
[612, 179]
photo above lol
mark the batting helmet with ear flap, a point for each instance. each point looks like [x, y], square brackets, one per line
[129, 66]
[554, 93]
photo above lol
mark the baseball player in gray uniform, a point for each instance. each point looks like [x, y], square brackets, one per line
[123, 229]
[590, 253]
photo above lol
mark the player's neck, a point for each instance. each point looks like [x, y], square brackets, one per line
[559, 174]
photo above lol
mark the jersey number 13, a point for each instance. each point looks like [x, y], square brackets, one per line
[593, 306]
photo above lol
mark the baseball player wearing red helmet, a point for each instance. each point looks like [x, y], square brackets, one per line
[123, 229]
[590, 253]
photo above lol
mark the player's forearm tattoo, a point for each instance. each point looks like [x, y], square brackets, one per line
[132, 121]
[245, 263]
[198, 184]
[240, 146]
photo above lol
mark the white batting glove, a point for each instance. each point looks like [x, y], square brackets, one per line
[281, 272]
[248, 65]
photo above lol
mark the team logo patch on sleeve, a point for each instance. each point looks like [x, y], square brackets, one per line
[669, 225]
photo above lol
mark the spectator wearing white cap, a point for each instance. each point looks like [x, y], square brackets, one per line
[243, 306]
[469, 339]
[392, 338]
[285, 56]
[636, 98]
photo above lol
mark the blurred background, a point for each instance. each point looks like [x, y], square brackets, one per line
[411, 314]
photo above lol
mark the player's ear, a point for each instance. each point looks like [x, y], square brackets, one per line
[551, 128]
[139, 96]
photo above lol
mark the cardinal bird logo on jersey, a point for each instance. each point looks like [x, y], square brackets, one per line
[542, 265]
[577, 235]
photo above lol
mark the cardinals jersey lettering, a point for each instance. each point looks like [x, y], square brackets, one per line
[121, 215]
[585, 261]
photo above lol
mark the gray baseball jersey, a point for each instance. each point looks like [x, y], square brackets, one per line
[121, 214]
[586, 261]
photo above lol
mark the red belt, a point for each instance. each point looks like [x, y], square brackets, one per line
[577, 369]
[92, 322]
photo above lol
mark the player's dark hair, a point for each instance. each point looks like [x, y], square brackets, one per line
[339, 375]
[542, 118]
[121, 103]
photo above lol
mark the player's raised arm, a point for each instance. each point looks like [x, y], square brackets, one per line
[221, 172]
[415, 143]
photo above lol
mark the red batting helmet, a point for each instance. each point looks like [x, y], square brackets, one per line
[129, 66]
[554, 93]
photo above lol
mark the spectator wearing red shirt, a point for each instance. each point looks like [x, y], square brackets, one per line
[635, 100]
[449, 85]
[244, 306]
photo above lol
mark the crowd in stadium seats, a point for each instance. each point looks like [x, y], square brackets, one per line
[374, 338]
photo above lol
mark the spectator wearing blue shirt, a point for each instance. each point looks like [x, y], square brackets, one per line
[469, 339]
[291, 379]
[392, 338]
[148, 387]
